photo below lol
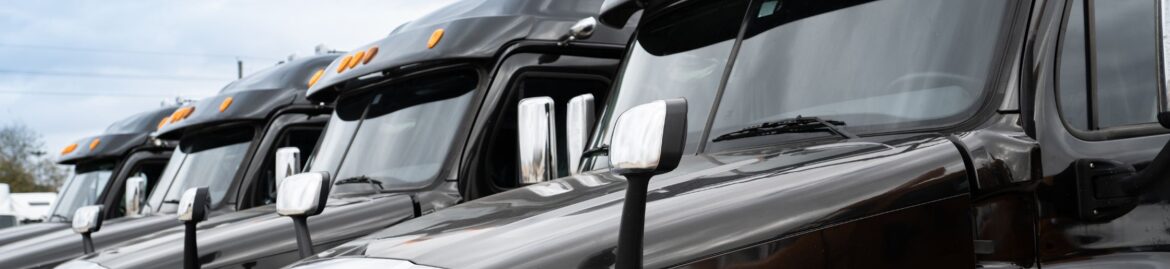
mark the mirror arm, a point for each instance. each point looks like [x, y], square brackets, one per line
[630, 233]
[304, 242]
[1155, 172]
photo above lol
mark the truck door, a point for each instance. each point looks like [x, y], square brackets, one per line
[493, 165]
[1096, 123]
[288, 130]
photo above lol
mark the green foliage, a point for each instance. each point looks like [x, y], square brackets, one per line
[24, 165]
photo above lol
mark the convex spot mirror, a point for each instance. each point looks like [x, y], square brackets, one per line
[288, 163]
[194, 205]
[303, 194]
[649, 138]
[536, 120]
[135, 196]
[87, 219]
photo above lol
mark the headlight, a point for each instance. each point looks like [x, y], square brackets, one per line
[80, 264]
[361, 263]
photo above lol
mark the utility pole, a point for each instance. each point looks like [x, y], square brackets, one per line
[239, 68]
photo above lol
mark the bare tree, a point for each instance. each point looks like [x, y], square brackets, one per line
[24, 165]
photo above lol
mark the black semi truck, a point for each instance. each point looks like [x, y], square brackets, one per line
[846, 134]
[102, 165]
[424, 119]
[226, 143]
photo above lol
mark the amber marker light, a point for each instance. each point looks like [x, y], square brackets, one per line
[344, 63]
[181, 114]
[163, 122]
[69, 149]
[435, 37]
[227, 102]
[370, 55]
[93, 144]
[356, 59]
[316, 76]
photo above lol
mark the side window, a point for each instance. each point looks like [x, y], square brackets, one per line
[301, 137]
[503, 165]
[1108, 64]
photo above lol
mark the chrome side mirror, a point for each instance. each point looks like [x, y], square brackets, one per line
[578, 124]
[581, 30]
[288, 163]
[537, 133]
[647, 140]
[301, 196]
[135, 196]
[193, 208]
[87, 220]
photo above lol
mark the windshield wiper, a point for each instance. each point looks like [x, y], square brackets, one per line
[58, 216]
[359, 179]
[170, 201]
[793, 125]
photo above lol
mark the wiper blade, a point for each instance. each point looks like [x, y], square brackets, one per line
[795, 125]
[603, 148]
[170, 201]
[358, 179]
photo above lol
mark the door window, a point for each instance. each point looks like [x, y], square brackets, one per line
[1108, 64]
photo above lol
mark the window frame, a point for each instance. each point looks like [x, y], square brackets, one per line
[1095, 133]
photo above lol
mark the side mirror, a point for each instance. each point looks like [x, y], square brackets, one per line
[647, 140]
[581, 30]
[288, 163]
[301, 196]
[536, 130]
[87, 220]
[135, 196]
[193, 208]
[579, 124]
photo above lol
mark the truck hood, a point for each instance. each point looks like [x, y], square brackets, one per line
[259, 235]
[60, 245]
[13, 234]
[770, 193]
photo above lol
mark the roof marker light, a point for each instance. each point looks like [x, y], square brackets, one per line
[227, 102]
[69, 149]
[163, 122]
[181, 113]
[344, 63]
[93, 144]
[370, 55]
[435, 37]
[316, 77]
[356, 58]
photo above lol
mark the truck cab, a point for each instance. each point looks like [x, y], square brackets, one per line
[226, 143]
[124, 150]
[841, 134]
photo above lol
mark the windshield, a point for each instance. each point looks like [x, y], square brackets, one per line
[683, 54]
[878, 66]
[209, 160]
[81, 190]
[404, 139]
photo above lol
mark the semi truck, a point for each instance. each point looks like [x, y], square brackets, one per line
[845, 134]
[102, 165]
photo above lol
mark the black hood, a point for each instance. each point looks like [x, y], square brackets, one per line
[711, 203]
[253, 98]
[472, 29]
[119, 139]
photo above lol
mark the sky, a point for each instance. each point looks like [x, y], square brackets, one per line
[70, 68]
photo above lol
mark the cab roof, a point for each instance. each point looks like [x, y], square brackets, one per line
[469, 29]
[251, 98]
[120, 138]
